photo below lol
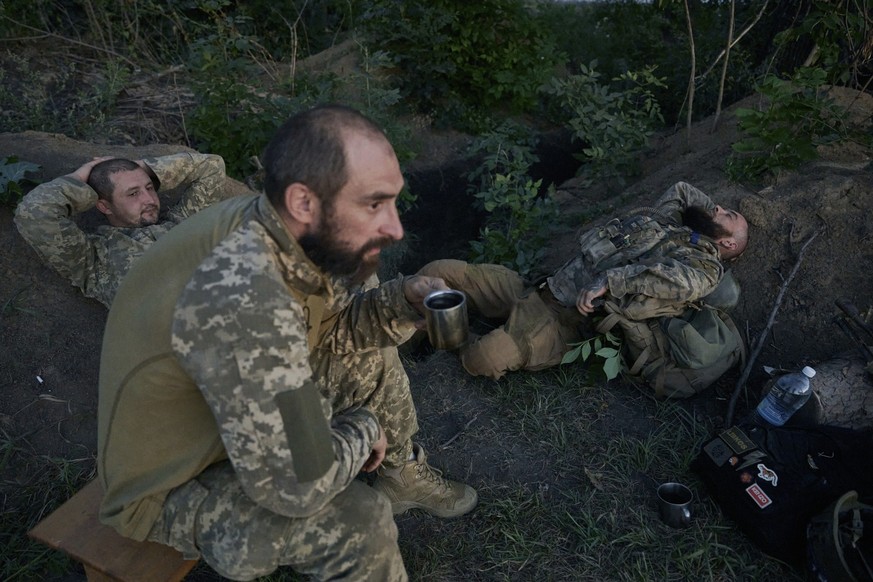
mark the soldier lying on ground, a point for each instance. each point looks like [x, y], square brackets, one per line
[671, 254]
[259, 383]
[126, 192]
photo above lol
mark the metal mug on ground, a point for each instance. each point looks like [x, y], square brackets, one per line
[446, 317]
[674, 504]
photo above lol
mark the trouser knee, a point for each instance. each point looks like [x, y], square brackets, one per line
[363, 543]
[493, 355]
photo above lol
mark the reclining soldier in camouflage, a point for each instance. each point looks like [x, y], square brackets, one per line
[672, 252]
[233, 423]
[126, 193]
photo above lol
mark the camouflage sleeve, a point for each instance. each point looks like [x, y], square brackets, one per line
[686, 276]
[202, 176]
[242, 337]
[46, 220]
[680, 196]
[377, 318]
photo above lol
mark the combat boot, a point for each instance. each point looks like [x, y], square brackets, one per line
[418, 485]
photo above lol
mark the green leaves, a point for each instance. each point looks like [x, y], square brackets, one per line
[607, 347]
[613, 122]
[459, 59]
[12, 174]
[799, 118]
[519, 214]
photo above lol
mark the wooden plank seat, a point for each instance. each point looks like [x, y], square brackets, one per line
[75, 529]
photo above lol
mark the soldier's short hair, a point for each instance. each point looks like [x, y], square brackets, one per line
[100, 181]
[309, 149]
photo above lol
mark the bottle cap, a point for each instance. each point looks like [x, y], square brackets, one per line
[808, 372]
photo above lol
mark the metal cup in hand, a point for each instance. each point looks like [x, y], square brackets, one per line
[674, 504]
[446, 317]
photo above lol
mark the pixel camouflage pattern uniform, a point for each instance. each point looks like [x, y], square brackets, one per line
[95, 262]
[223, 432]
[654, 257]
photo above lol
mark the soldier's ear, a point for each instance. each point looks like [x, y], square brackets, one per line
[728, 243]
[301, 203]
[103, 206]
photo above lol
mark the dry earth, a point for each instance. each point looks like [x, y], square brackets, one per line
[51, 335]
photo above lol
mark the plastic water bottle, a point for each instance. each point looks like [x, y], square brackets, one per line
[787, 395]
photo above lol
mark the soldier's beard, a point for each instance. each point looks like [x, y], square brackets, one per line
[701, 221]
[150, 218]
[333, 256]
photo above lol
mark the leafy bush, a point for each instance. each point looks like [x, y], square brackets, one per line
[240, 104]
[515, 230]
[61, 103]
[839, 36]
[458, 59]
[628, 35]
[12, 175]
[799, 117]
[614, 125]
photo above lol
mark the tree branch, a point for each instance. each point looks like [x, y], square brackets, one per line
[760, 343]
[74, 41]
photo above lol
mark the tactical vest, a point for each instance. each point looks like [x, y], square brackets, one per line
[619, 242]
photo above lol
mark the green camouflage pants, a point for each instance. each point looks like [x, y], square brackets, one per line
[536, 329]
[376, 380]
[353, 537]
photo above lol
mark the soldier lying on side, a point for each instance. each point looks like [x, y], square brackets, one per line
[672, 253]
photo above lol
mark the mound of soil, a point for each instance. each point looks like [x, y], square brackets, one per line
[828, 201]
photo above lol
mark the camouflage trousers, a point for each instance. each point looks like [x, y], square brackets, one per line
[536, 328]
[353, 537]
[374, 379]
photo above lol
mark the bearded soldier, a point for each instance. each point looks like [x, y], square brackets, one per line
[671, 254]
[245, 380]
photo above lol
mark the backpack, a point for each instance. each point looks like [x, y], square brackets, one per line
[771, 481]
[677, 351]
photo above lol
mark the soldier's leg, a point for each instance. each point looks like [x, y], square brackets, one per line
[543, 329]
[492, 355]
[536, 335]
[353, 536]
[375, 379]
[491, 290]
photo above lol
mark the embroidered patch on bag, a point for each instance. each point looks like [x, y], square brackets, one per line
[751, 459]
[737, 440]
[718, 451]
[767, 474]
[758, 496]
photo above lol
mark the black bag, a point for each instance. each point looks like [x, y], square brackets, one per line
[772, 480]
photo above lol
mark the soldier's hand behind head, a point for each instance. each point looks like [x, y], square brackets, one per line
[84, 171]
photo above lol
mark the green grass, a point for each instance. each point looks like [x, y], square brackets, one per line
[33, 486]
[585, 459]
[567, 492]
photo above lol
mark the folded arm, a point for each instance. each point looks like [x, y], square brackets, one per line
[46, 219]
[242, 338]
[201, 175]
[680, 196]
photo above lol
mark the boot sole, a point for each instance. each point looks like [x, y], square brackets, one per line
[403, 506]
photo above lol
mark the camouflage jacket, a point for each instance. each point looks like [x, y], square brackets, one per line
[220, 368]
[648, 254]
[95, 262]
